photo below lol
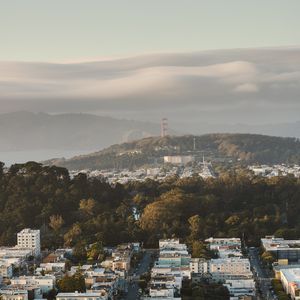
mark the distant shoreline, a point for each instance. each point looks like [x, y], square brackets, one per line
[12, 157]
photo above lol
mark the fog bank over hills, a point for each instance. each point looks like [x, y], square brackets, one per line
[248, 86]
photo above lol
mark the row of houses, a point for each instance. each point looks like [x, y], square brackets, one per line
[169, 270]
[230, 268]
[103, 281]
[174, 264]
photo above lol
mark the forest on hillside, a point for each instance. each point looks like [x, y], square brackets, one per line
[86, 210]
[239, 148]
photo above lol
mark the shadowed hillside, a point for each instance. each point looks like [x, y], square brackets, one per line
[248, 148]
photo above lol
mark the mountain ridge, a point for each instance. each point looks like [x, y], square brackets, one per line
[34, 131]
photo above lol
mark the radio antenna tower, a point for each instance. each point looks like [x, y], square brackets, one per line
[164, 127]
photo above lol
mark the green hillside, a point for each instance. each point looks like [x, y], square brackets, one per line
[247, 148]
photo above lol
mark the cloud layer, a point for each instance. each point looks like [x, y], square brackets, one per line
[256, 85]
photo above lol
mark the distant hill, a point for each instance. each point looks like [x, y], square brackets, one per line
[21, 131]
[250, 148]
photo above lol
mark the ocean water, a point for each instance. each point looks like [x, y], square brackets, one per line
[12, 157]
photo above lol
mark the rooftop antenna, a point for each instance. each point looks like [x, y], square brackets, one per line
[164, 127]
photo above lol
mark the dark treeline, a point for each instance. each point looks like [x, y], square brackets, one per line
[83, 211]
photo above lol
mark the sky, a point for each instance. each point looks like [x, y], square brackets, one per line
[196, 61]
[71, 30]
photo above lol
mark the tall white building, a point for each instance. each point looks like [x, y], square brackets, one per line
[29, 239]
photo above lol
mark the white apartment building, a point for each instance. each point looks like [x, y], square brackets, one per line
[162, 291]
[230, 268]
[52, 267]
[215, 243]
[44, 283]
[29, 239]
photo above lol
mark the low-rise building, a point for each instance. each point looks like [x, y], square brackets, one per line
[199, 266]
[81, 296]
[45, 283]
[281, 248]
[230, 268]
[240, 288]
[16, 294]
[6, 269]
[179, 159]
[290, 279]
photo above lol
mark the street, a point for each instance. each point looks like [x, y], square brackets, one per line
[143, 267]
[262, 278]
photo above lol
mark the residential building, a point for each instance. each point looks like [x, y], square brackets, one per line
[179, 159]
[6, 269]
[81, 296]
[29, 239]
[45, 283]
[281, 248]
[290, 279]
[199, 266]
[8, 294]
[230, 268]
[240, 288]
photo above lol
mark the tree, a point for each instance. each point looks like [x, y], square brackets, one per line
[268, 257]
[80, 253]
[71, 236]
[56, 222]
[200, 250]
[87, 206]
[69, 284]
[195, 225]
[96, 252]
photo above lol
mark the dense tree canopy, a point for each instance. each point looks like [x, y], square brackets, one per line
[82, 211]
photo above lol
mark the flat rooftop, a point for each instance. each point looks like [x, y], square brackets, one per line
[292, 276]
[273, 244]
